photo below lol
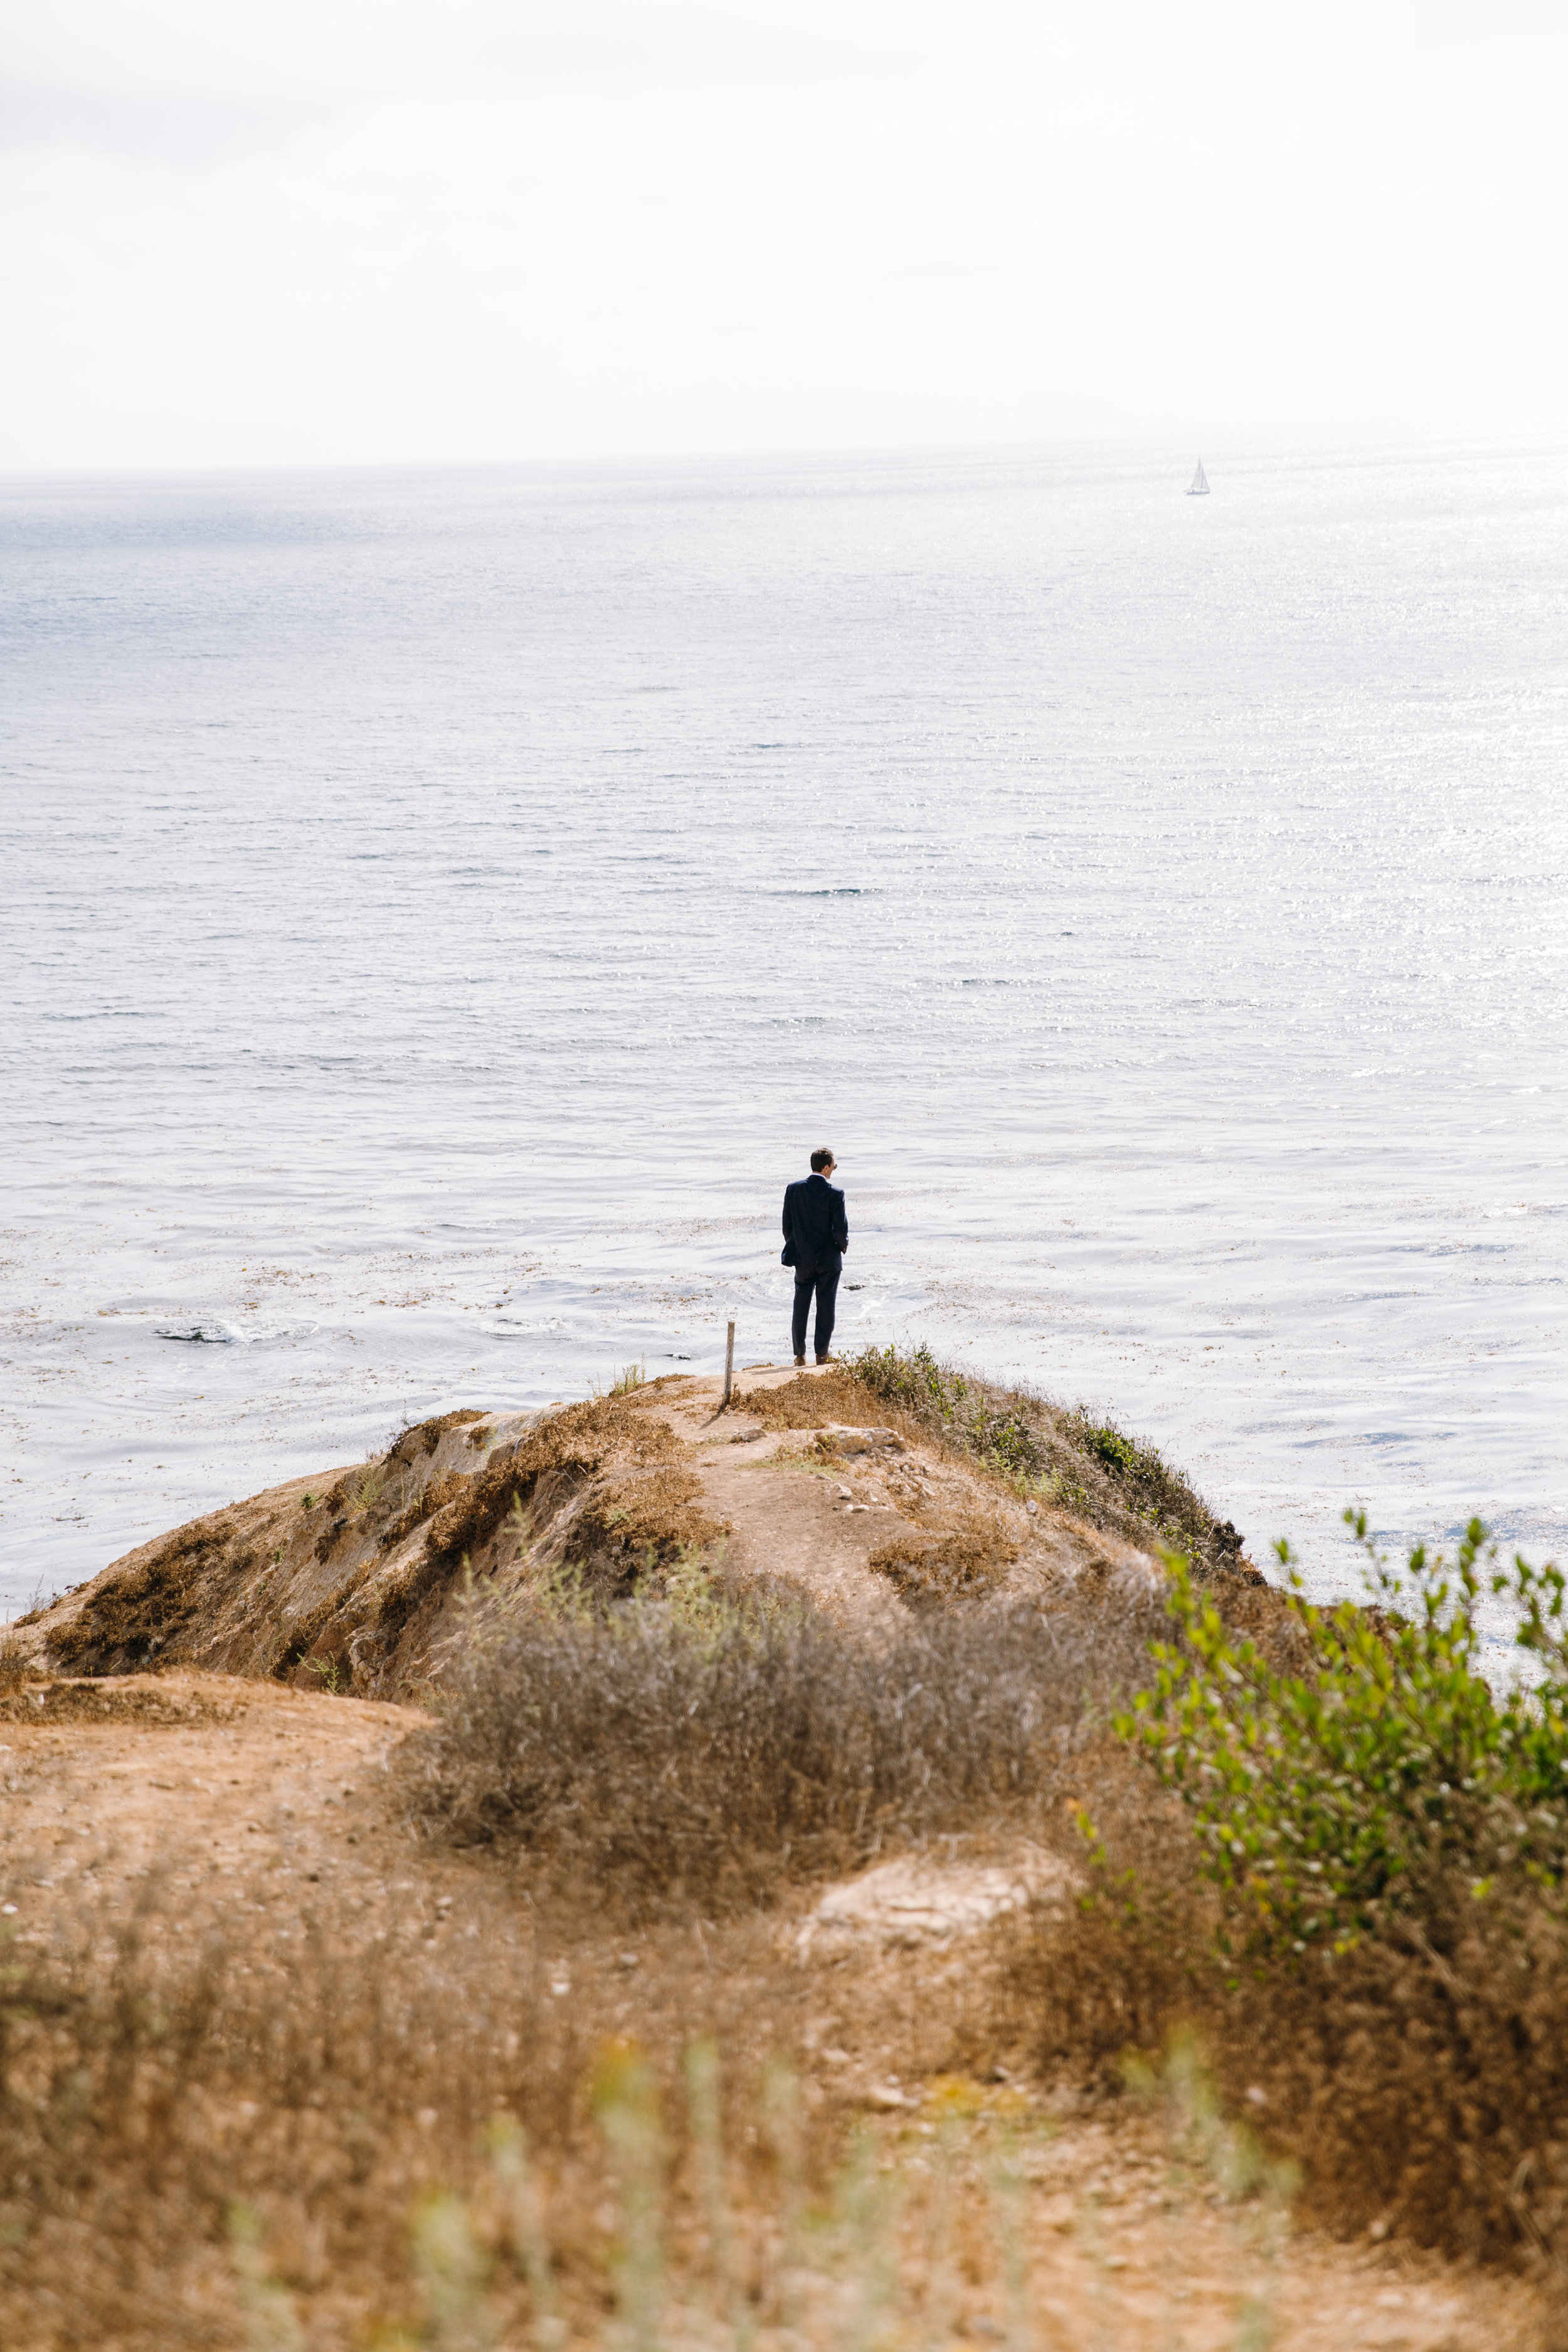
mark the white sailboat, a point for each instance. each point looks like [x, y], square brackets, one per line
[1198, 488]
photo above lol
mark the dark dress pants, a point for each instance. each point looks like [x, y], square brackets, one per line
[822, 1282]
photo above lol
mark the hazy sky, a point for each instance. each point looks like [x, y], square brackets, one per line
[320, 230]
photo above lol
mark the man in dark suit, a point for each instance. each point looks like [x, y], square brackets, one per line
[817, 1234]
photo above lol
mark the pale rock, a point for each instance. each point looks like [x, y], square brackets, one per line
[910, 1902]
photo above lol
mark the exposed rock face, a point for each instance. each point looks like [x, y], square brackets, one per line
[349, 1581]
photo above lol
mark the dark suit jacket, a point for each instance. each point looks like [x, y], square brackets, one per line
[815, 1227]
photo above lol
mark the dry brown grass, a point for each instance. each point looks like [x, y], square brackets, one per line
[460, 2124]
[178, 2095]
[962, 1563]
[643, 1520]
[138, 1616]
[811, 1399]
[716, 1753]
[422, 1437]
[1418, 2079]
[552, 1461]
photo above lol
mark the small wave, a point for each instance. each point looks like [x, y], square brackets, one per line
[218, 1334]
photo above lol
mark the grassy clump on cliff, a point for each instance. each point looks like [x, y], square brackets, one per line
[136, 1619]
[1355, 1888]
[1075, 1458]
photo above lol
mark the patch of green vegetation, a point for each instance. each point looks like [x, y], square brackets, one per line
[1117, 1452]
[1078, 1460]
[1320, 1797]
[996, 1430]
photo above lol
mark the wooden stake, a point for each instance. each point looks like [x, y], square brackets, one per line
[728, 1366]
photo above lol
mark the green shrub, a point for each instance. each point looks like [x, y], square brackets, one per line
[914, 1380]
[1416, 2074]
[1353, 1889]
[1117, 1452]
[993, 1425]
[1325, 1796]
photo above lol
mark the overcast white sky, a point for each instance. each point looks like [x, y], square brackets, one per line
[322, 231]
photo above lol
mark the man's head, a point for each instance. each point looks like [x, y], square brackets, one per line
[822, 1163]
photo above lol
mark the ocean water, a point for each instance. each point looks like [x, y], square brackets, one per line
[441, 910]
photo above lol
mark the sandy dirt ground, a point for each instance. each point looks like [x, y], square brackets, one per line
[817, 1520]
[239, 1797]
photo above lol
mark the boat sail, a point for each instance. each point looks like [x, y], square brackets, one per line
[1199, 486]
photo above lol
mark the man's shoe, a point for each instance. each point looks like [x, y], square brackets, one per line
[800, 1360]
[825, 1360]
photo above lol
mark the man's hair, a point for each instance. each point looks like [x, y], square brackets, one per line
[821, 1159]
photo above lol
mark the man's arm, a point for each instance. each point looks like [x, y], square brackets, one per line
[841, 1224]
[789, 1213]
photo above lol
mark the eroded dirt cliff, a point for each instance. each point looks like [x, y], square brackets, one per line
[352, 1580]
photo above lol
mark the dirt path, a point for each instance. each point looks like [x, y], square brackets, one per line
[801, 1519]
[226, 1791]
[816, 1518]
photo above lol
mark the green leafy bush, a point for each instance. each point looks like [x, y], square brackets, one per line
[1117, 1452]
[911, 1377]
[1320, 1797]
